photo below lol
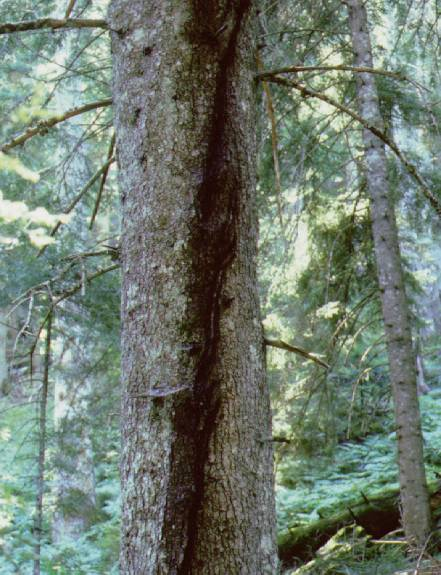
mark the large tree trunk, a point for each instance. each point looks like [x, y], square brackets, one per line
[414, 496]
[197, 478]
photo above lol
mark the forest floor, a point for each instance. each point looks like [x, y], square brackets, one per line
[339, 513]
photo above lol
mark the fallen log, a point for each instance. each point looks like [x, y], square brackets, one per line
[378, 515]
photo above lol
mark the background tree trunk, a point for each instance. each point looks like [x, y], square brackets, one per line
[197, 478]
[73, 470]
[40, 482]
[3, 353]
[402, 365]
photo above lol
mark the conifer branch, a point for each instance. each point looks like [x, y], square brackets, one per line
[43, 125]
[411, 169]
[112, 252]
[278, 343]
[266, 74]
[51, 24]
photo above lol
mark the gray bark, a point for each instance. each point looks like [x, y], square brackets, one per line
[402, 365]
[40, 482]
[197, 477]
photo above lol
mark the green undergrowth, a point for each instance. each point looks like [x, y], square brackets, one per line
[308, 489]
[321, 487]
[96, 551]
[351, 552]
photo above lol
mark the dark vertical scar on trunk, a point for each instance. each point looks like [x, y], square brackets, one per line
[214, 248]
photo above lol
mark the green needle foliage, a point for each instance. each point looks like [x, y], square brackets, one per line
[333, 428]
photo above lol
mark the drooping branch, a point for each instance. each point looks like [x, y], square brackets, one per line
[266, 74]
[51, 24]
[43, 125]
[48, 286]
[411, 169]
[87, 279]
[353, 313]
[102, 183]
[111, 251]
[83, 192]
[69, 8]
[278, 343]
[104, 168]
[67, 294]
[274, 142]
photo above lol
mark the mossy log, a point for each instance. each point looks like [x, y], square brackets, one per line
[378, 515]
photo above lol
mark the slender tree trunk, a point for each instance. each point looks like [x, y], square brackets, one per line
[38, 519]
[197, 478]
[422, 386]
[414, 496]
[3, 353]
[73, 461]
[421, 380]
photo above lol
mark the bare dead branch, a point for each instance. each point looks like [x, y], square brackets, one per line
[274, 143]
[411, 169]
[77, 198]
[280, 439]
[338, 68]
[278, 343]
[103, 183]
[69, 8]
[43, 125]
[67, 294]
[25, 326]
[88, 278]
[51, 24]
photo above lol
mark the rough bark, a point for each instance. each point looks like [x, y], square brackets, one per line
[197, 479]
[402, 365]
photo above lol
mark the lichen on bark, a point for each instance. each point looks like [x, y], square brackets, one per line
[197, 477]
[402, 364]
